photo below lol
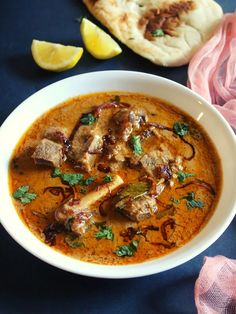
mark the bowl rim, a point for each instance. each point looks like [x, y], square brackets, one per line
[125, 271]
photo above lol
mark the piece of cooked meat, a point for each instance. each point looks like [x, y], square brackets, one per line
[123, 126]
[164, 171]
[119, 152]
[74, 217]
[137, 209]
[77, 212]
[156, 163]
[137, 117]
[49, 153]
[150, 162]
[57, 134]
[81, 223]
[85, 145]
[66, 211]
[123, 123]
[127, 120]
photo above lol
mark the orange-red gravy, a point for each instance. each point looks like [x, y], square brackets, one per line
[40, 212]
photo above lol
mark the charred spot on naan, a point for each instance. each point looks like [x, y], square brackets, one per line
[124, 18]
[165, 19]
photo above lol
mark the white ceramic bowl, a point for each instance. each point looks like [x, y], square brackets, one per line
[217, 128]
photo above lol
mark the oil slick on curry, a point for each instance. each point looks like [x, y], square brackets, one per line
[115, 178]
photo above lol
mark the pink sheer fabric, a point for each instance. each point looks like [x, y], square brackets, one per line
[215, 288]
[212, 70]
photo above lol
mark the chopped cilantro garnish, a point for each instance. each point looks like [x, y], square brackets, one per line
[23, 195]
[87, 181]
[88, 119]
[127, 250]
[136, 144]
[182, 176]
[107, 178]
[82, 191]
[192, 202]
[56, 173]
[181, 128]
[72, 178]
[158, 33]
[104, 232]
[21, 191]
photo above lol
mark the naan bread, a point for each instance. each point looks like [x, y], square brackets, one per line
[140, 24]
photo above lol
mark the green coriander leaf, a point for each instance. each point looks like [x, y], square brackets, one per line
[127, 250]
[23, 195]
[182, 176]
[73, 241]
[107, 178]
[181, 128]
[56, 173]
[72, 178]
[124, 250]
[82, 191]
[105, 232]
[195, 204]
[192, 202]
[88, 119]
[158, 33]
[136, 144]
[25, 200]
[20, 191]
[30, 196]
[87, 181]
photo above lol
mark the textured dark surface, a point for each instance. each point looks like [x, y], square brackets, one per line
[29, 285]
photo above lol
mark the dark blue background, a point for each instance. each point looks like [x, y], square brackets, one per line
[28, 285]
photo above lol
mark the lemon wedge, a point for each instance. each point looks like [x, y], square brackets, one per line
[55, 57]
[98, 43]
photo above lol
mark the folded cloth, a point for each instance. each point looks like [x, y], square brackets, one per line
[212, 70]
[215, 288]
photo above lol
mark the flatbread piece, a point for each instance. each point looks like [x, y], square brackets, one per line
[167, 32]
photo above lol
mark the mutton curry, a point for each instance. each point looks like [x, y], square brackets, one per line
[115, 178]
